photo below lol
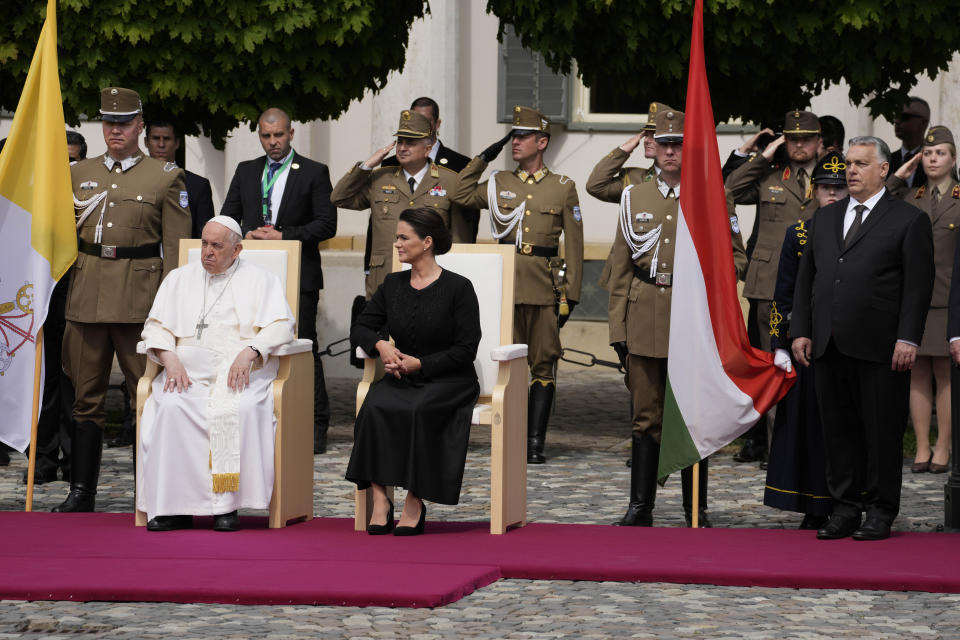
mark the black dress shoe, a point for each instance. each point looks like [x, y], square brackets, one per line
[169, 523]
[751, 451]
[226, 522]
[873, 529]
[383, 529]
[812, 523]
[320, 438]
[534, 457]
[417, 530]
[78, 501]
[838, 527]
[4, 456]
[703, 520]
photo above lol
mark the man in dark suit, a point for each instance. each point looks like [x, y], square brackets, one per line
[285, 196]
[163, 141]
[909, 127]
[862, 294]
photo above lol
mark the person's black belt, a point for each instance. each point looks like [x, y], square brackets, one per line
[528, 249]
[660, 280]
[112, 253]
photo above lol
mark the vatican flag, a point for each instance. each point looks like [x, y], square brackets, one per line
[38, 240]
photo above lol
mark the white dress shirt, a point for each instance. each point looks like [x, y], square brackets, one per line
[277, 194]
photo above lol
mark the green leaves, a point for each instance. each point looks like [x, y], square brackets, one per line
[763, 57]
[209, 64]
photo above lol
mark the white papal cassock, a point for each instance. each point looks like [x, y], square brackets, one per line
[189, 438]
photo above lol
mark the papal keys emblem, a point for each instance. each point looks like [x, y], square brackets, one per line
[16, 325]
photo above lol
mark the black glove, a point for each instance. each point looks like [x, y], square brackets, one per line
[491, 152]
[622, 352]
[562, 320]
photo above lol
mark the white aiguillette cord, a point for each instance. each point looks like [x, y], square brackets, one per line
[88, 206]
[508, 221]
[639, 243]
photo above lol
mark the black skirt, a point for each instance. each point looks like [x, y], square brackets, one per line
[414, 434]
[796, 474]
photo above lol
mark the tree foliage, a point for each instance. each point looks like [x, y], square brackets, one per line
[211, 64]
[763, 57]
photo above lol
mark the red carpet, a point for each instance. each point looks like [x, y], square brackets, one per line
[325, 562]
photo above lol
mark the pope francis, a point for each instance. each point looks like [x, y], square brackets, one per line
[207, 432]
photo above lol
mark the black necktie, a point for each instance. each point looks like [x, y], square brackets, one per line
[412, 183]
[857, 221]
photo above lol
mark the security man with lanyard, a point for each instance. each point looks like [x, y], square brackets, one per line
[531, 207]
[387, 191]
[131, 213]
[641, 280]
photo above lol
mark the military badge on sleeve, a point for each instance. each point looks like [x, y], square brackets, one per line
[734, 224]
[183, 200]
[576, 214]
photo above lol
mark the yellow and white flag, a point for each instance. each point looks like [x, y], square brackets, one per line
[38, 240]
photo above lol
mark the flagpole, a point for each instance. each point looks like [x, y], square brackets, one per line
[695, 497]
[34, 415]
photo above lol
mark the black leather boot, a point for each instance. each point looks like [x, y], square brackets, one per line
[686, 485]
[754, 447]
[538, 414]
[320, 438]
[85, 469]
[644, 457]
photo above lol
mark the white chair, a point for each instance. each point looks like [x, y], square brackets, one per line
[503, 374]
[292, 497]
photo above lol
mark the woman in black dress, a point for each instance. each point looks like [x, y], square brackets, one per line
[413, 427]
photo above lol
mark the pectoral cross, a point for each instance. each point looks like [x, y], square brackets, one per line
[200, 327]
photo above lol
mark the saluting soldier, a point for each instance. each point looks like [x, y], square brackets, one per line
[386, 191]
[641, 279]
[783, 193]
[131, 213]
[609, 177]
[530, 208]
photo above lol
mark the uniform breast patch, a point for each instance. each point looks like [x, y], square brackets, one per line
[90, 184]
[508, 195]
[438, 191]
[388, 188]
[643, 216]
[184, 201]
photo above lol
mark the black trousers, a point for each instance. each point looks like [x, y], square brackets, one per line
[864, 408]
[55, 422]
[307, 329]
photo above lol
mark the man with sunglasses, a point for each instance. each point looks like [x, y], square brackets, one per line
[909, 127]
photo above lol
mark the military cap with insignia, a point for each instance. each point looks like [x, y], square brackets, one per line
[669, 127]
[526, 119]
[413, 124]
[119, 105]
[938, 134]
[830, 169]
[801, 123]
[655, 108]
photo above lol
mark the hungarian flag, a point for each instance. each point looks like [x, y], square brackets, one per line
[38, 240]
[718, 386]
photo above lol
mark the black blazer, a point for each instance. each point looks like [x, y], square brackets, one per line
[953, 304]
[873, 293]
[305, 214]
[200, 197]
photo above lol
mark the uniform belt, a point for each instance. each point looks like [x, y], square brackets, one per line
[528, 249]
[112, 252]
[661, 279]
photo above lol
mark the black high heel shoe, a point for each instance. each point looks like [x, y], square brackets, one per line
[383, 529]
[417, 530]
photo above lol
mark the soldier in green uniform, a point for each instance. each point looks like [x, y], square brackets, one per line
[641, 279]
[530, 208]
[783, 194]
[609, 177]
[386, 191]
[131, 214]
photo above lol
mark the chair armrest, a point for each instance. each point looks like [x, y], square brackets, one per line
[296, 346]
[142, 348]
[508, 352]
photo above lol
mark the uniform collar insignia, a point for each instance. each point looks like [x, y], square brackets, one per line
[786, 174]
[537, 177]
[125, 164]
[956, 192]
[920, 191]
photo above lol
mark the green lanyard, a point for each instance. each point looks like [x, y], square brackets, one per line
[267, 186]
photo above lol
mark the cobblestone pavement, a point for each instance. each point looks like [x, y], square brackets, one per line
[584, 481]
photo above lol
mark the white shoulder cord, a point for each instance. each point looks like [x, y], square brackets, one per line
[639, 243]
[88, 206]
[508, 221]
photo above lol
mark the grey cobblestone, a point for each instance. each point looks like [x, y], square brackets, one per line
[584, 481]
